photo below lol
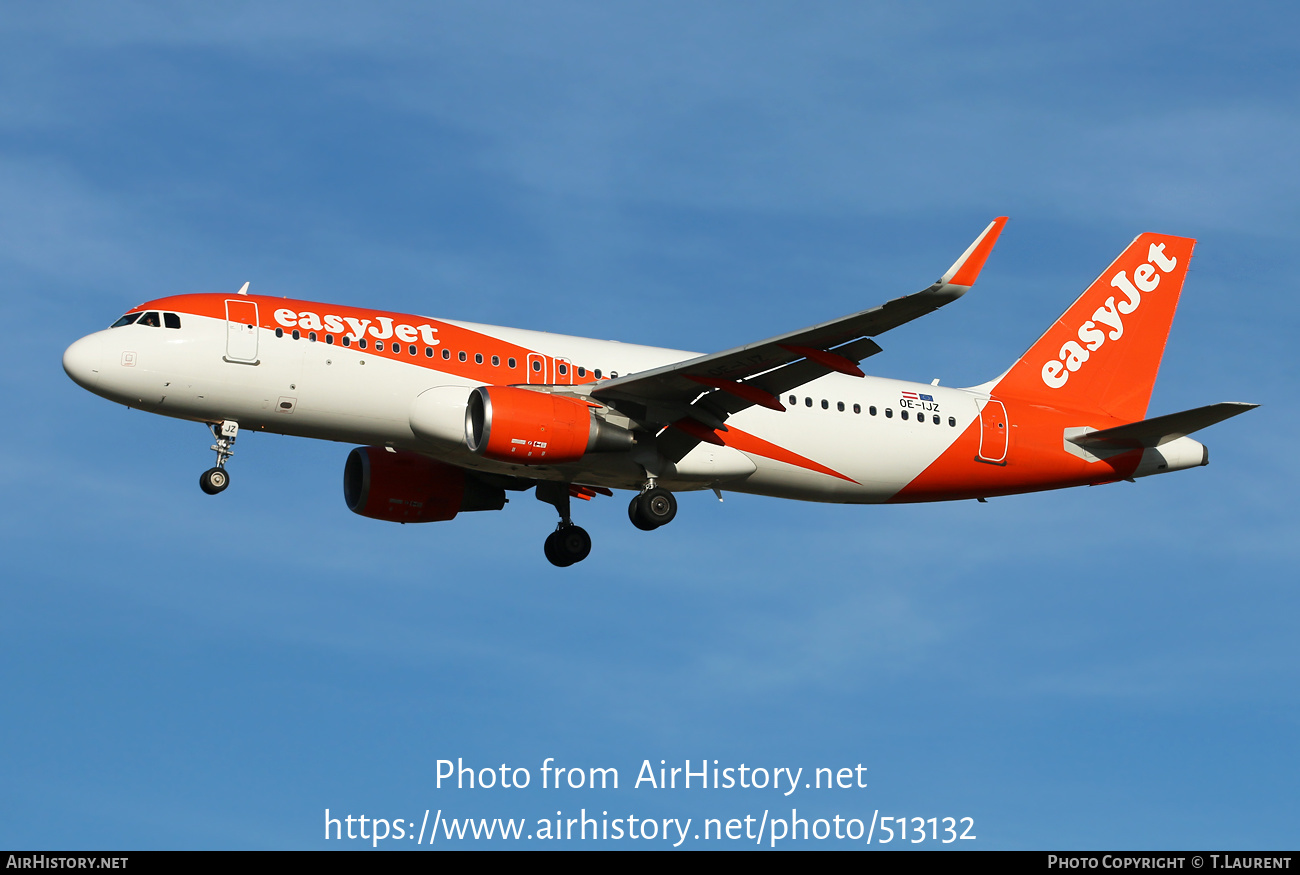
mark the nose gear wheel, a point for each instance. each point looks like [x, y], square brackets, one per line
[214, 480]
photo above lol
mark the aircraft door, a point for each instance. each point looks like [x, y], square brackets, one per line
[994, 431]
[538, 372]
[241, 331]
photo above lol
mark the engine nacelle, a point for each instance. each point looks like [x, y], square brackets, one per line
[404, 487]
[537, 428]
[438, 415]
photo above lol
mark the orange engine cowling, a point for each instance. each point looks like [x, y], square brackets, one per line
[403, 487]
[537, 428]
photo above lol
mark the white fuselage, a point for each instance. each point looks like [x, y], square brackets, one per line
[828, 446]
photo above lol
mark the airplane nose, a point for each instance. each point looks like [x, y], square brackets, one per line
[83, 361]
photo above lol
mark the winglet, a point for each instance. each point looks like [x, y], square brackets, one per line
[965, 269]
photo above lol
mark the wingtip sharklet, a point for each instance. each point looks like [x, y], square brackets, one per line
[966, 270]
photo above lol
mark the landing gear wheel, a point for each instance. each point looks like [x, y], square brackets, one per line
[214, 480]
[653, 508]
[574, 543]
[634, 514]
[553, 553]
[567, 545]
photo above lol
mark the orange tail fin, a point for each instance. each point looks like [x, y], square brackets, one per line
[1104, 352]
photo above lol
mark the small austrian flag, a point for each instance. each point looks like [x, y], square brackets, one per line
[911, 395]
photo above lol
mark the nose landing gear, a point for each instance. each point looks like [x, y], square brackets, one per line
[216, 479]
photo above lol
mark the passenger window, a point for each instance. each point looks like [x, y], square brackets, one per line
[496, 361]
[511, 362]
[478, 358]
[952, 421]
[564, 369]
[872, 410]
[360, 343]
[889, 413]
[171, 320]
[794, 399]
[297, 335]
[150, 319]
[936, 419]
[329, 339]
[279, 332]
[428, 352]
[312, 336]
[903, 413]
[537, 366]
[125, 320]
[857, 408]
[807, 402]
[446, 354]
[597, 373]
[582, 372]
[461, 355]
[347, 341]
[379, 345]
[839, 405]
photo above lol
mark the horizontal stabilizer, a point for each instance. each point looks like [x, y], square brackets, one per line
[1162, 429]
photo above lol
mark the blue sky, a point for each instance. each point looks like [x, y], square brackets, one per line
[1101, 668]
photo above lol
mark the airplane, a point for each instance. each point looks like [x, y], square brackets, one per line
[451, 415]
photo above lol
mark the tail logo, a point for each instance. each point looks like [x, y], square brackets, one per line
[1073, 354]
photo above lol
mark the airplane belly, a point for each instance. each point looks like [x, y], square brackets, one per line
[712, 464]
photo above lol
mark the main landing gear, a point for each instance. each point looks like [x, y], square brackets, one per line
[569, 543]
[653, 508]
[216, 479]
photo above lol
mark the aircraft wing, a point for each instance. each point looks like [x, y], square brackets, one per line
[709, 388]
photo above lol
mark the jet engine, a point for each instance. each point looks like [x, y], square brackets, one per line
[405, 487]
[537, 428]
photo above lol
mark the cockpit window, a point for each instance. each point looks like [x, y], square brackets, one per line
[171, 320]
[151, 319]
[125, 320]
